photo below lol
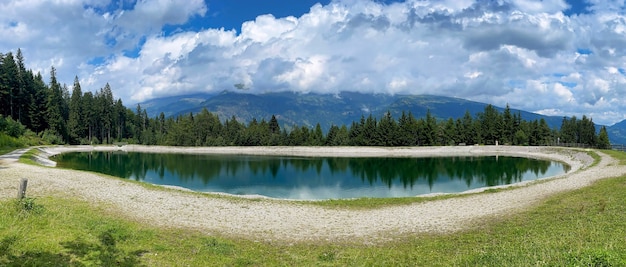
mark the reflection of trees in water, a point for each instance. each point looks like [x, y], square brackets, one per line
[487, 171]
[472, 170]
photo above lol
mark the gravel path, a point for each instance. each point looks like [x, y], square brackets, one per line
[267, 220]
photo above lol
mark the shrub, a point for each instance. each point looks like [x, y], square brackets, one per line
[51, 137]
[8, 141]
[28, 205]
[11, 127]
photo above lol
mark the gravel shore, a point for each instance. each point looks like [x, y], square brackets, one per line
[269, 220]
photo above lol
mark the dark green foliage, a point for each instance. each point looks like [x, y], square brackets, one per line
[75, 122]
[11, 127]
[205, 129]
[28, 206]
[490, 125]
[574, 131]
[603, 139]
[10, 85]
[54, 106]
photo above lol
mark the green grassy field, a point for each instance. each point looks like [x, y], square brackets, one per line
[586, 227]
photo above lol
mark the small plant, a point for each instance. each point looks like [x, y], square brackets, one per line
[328, 256]
[28, 205]
[602, 205]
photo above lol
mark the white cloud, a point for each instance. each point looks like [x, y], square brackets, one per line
[266, 27]
[525, 53]
[546, 6]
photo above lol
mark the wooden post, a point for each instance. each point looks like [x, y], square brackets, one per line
[22, 193]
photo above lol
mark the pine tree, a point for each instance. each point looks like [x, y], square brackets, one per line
[274, 127]
[75, 122]
[37, 109]
[587, 131]
[119, 119]
[9, 85]
[508, 130]
[569, 130]
[342, 138]
[403, 137]
[106, 107]
[490, 125]
[90, 115]
[22, 95]
[603, 139]
[430, 129]
[449, 133]
[331, 136]
[387, 130]
[317, 136]
[370, 132]
[233, 131]
[467, 123]
[55, 106]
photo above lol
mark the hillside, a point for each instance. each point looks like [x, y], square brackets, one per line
[327, 109]
[617, 133]
[338, 109]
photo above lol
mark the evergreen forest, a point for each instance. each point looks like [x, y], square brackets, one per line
[55, 113]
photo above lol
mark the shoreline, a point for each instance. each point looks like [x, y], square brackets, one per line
[295, 221]
[545, 153]
[549, 153]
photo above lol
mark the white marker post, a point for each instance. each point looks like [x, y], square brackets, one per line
[22, 191]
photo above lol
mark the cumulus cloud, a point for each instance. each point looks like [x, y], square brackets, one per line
[525, 53]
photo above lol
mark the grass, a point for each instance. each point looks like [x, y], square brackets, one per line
[29, 157]
[619, 155]
[8, 143]
[586, 227]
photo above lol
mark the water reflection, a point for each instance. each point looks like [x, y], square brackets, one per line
[314, 178]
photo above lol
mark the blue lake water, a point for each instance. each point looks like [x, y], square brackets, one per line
[314, 178]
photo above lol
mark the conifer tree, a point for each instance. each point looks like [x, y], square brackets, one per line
[508, 129]
[274, 127]
[55, 106]
[603, 139]
[9, 85]
[75, 123]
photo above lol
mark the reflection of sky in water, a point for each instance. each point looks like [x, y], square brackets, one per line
[292, 183]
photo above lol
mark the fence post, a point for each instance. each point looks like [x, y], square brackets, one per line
[22, 191]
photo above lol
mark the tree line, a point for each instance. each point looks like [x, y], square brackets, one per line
[488, 127]
[49, 110]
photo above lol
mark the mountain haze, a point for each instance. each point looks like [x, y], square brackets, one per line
[334, 109]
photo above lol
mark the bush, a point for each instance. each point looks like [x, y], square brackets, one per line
[84, 141]
[11, 127]
[28, 205]
[51, 137]
[9, 141]
[29, 138]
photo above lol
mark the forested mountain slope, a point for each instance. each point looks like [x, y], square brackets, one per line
[327, 109]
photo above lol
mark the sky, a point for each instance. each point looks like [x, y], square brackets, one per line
[554, 57]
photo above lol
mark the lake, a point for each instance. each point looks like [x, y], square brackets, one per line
[313, 178]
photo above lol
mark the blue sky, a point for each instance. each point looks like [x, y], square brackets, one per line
[231, 14]
[553, 57]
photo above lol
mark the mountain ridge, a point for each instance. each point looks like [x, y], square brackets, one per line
[307, 109]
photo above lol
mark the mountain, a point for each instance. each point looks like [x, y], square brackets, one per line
[334, 109]
[171, 106]
[617, 133]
